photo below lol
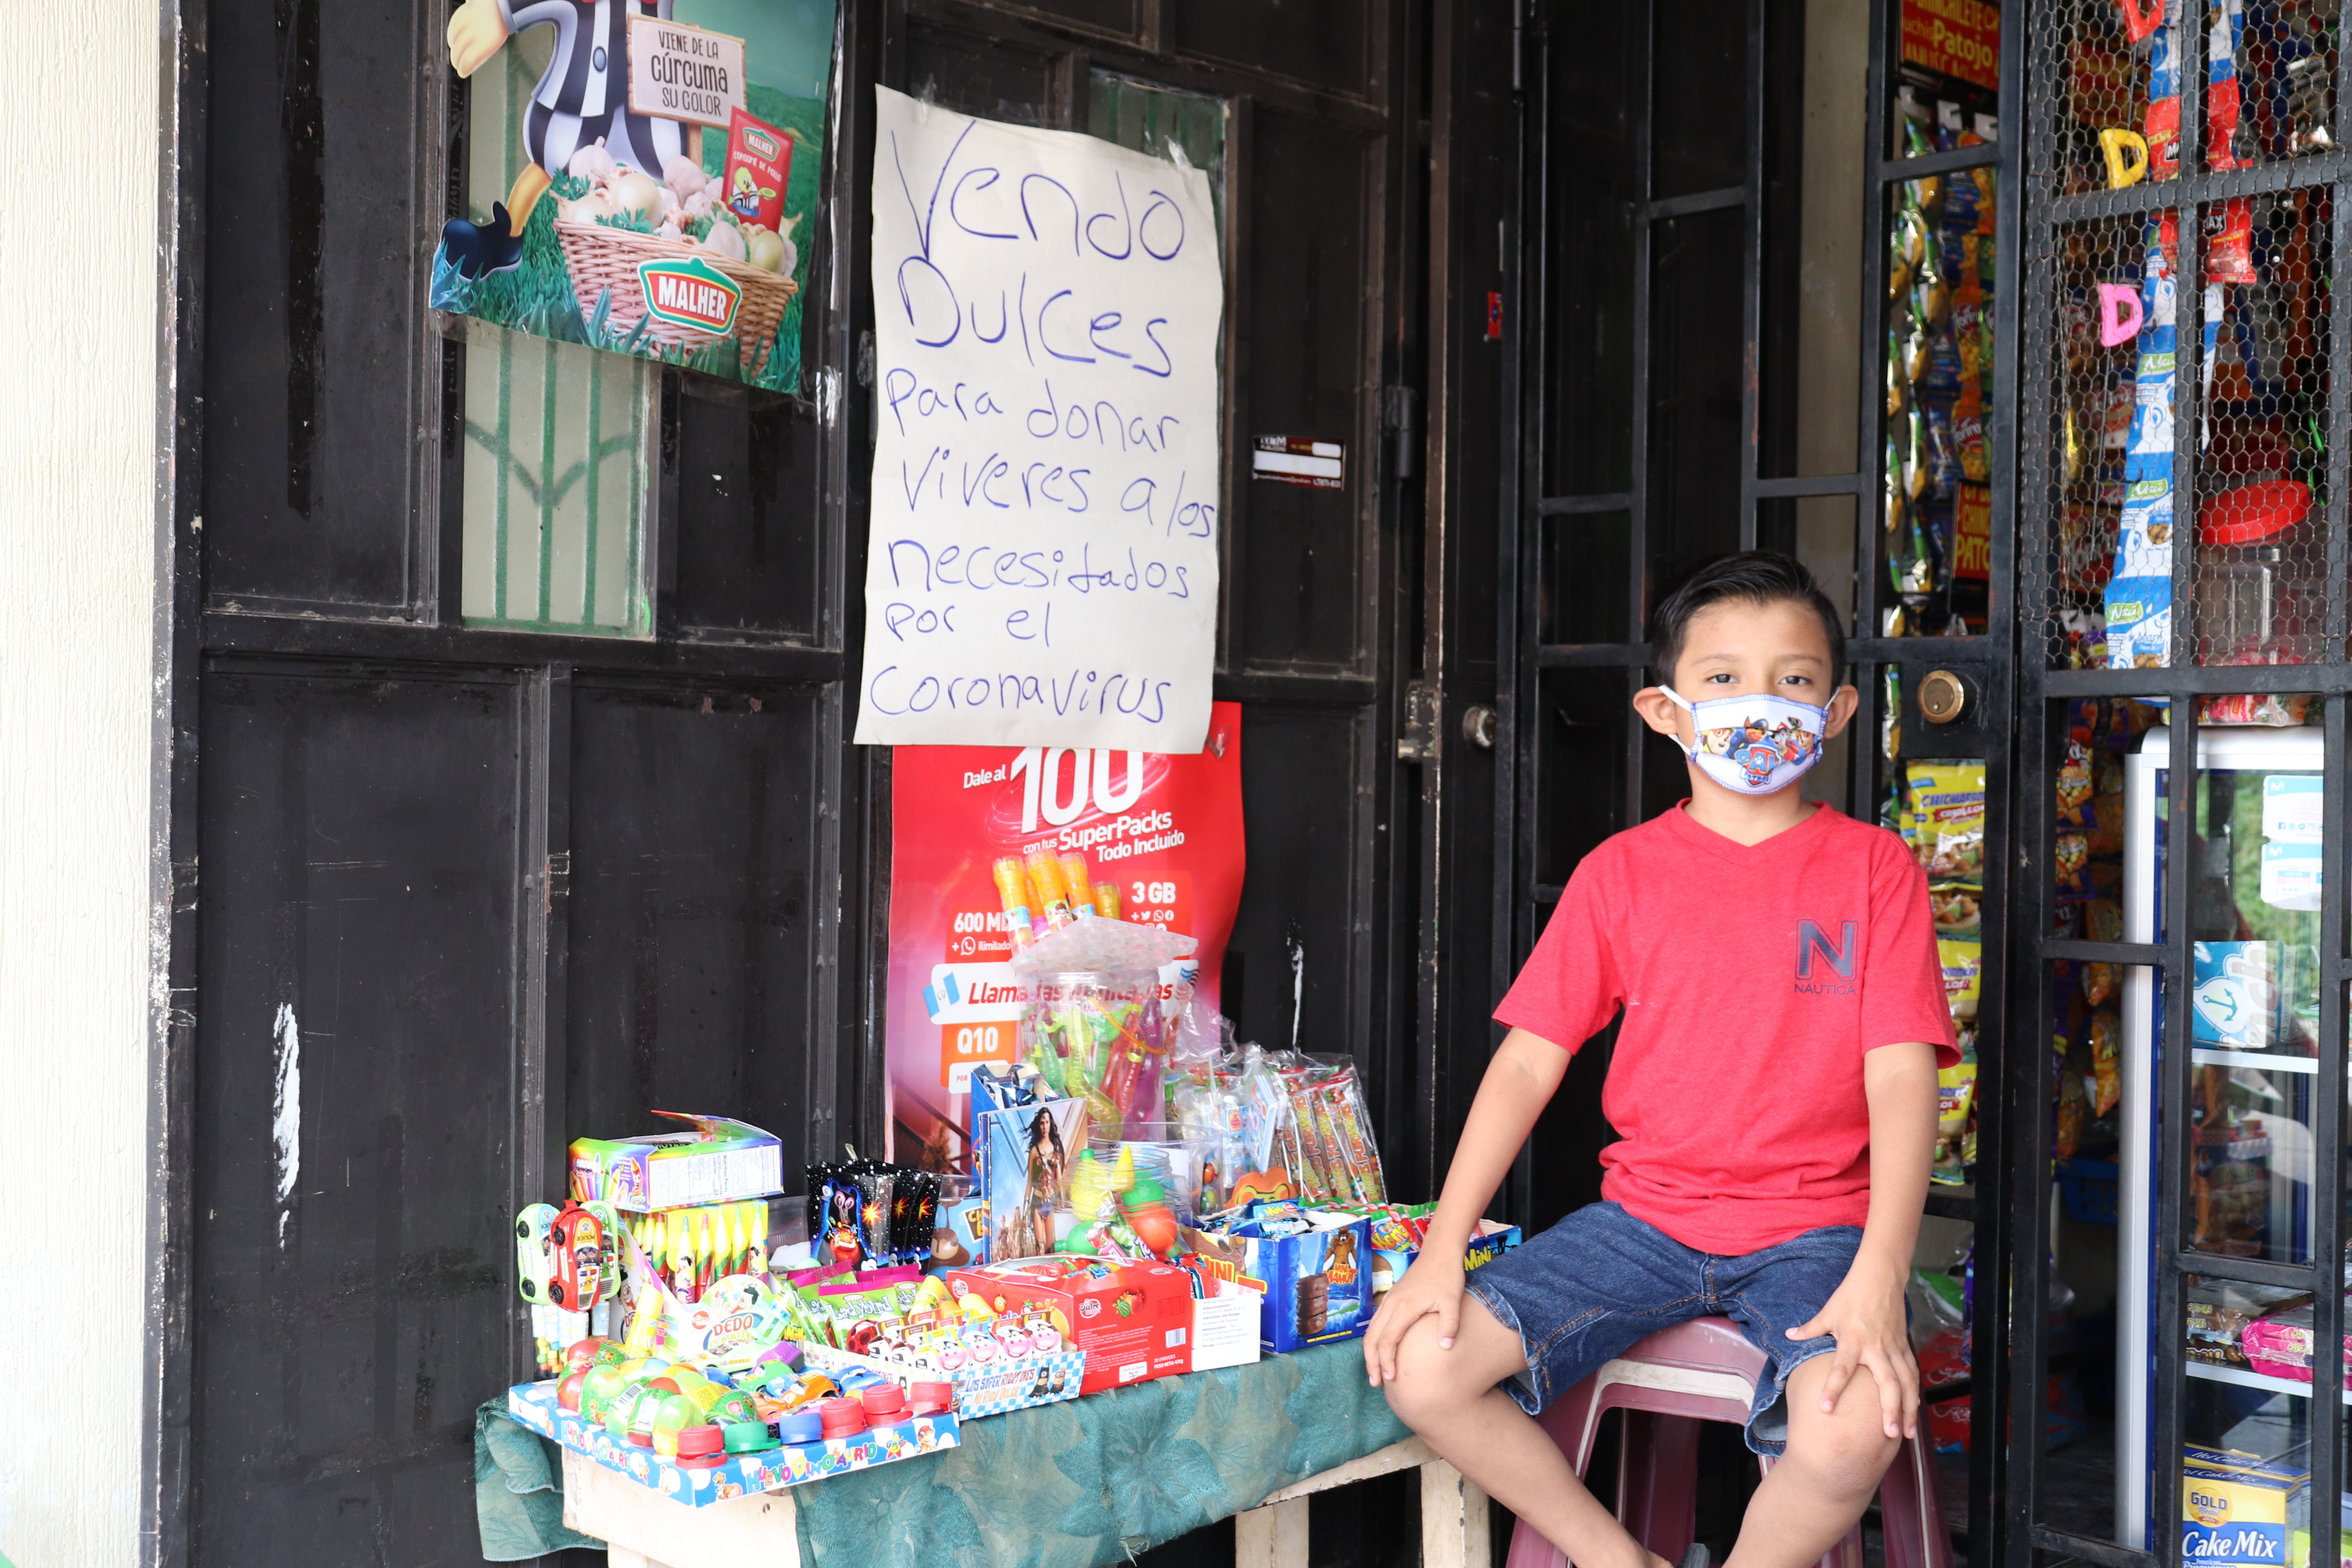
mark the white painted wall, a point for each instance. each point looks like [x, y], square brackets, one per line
[79, 278]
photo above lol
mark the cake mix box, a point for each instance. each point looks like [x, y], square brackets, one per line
[1133, 1320]
[2234, 1508]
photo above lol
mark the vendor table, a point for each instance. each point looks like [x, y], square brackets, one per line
[1081, 1484]
[641, 1529]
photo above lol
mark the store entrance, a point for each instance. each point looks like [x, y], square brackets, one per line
[518, 678]
[1769, 287]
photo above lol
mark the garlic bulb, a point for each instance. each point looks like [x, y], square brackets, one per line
[684, 176]
[669, 230]
[724, 239]
[592, 163]
[698, 204]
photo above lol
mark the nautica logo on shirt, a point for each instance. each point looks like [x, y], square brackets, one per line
[1836, 958]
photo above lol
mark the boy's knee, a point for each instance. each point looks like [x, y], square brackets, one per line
[1429, 1381]
[1849, 1451]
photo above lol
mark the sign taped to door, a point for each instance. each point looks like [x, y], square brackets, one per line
[1041, 566]
[1164, 832]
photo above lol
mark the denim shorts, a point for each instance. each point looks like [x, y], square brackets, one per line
[1585, 1290]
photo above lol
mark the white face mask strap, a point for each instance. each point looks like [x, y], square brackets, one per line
[1676, 699]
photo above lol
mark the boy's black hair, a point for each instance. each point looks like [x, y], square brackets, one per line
[1752, 576]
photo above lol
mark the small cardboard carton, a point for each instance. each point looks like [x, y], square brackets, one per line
[714, 1161]
[1224, 1327]
[1133, 1320]
[2234, 1508]
[1318, 1281]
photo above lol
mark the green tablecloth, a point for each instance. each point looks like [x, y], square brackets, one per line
[1076, 1485]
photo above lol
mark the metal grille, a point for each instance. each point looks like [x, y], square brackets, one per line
[2181, 515]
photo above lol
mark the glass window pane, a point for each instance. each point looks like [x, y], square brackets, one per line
[555, 479]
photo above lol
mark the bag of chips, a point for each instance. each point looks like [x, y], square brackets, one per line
[1946, 802]
[1963, 966]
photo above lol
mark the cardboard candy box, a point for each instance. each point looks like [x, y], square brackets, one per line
[715, 1161]
[1318, 1282]
[1133, 1320]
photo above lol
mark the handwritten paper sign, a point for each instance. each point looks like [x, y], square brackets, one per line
[1042, 568]
[678, 72]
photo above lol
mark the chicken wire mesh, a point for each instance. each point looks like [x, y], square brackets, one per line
[2110, 333]
[2268, 68]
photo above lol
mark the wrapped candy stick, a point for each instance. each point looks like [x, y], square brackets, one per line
[1081, 885]
[1045, 876]
[1013, 892]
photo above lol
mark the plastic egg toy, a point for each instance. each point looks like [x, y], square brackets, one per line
[567, 1393]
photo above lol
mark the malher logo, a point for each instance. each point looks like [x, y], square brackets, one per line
[1812, 943]
[690, 293]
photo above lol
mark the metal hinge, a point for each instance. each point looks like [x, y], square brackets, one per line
[1419, 741]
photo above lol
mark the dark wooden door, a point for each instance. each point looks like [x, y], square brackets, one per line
[504, 816]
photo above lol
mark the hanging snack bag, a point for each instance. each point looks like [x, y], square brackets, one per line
[1947, 814]
[2106, 1061]
[1963, 965]
[1956, 1095]
[758, 163]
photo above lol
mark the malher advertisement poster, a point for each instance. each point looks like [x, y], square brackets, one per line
[642, 177]
[1165, 831]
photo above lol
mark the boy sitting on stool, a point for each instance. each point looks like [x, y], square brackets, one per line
[1774, 1087]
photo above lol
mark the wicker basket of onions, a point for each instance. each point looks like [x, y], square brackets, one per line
[681, 215]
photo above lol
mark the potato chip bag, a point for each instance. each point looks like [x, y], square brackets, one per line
[1963, 964]
[2106, 1061]
[1947, 804]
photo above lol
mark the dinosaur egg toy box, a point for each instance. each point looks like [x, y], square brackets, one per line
[780, 1465]
[714, 1161]
[983, 1387]
[1132, 1321]
[1318, 1270]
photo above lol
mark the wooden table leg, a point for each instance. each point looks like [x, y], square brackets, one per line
[1272, 1536]
[1452, 1519]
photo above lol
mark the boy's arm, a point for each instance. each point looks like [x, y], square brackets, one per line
[1865, 1314]
[1519, 1083]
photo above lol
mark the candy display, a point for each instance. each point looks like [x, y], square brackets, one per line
[1128, 1220]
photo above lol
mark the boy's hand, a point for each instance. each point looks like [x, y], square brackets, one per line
[1430, 1287]
[1865, 1316]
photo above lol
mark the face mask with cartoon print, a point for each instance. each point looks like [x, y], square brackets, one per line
[1754, 744]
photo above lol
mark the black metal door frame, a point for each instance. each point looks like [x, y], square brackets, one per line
[1985, 662]
[2045, 692]
[412, 633]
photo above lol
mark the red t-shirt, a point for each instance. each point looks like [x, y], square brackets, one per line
[1753, 979]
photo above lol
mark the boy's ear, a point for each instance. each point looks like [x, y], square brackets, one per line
[1843, 704]
[1659, 712]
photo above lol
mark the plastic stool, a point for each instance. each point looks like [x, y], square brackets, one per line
[1705, 1370]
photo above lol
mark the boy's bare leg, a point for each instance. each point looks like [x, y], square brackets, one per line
[1820, 1487]
[1449, 1397]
